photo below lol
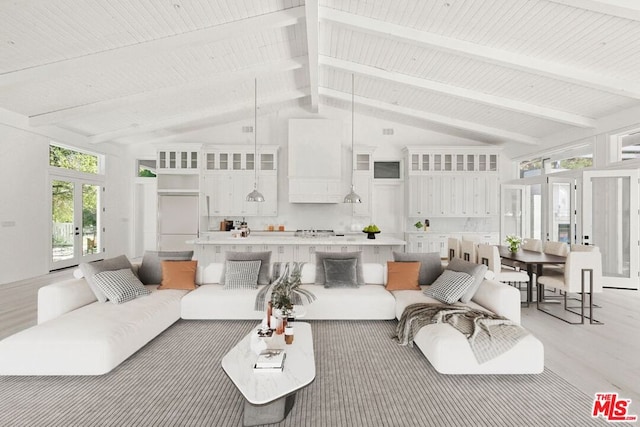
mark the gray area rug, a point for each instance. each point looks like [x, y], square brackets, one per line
[363, 378]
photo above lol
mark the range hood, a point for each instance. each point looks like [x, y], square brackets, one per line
[315, 161]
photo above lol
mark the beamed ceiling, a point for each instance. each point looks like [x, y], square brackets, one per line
[496, 71]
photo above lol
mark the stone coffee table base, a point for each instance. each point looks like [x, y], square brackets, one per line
[271, 395]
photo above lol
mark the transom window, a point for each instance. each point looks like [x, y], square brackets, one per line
[66, 158]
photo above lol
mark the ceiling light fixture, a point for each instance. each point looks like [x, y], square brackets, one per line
[255, 195]
[352, 197]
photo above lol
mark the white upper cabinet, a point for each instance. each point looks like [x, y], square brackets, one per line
[460, 182]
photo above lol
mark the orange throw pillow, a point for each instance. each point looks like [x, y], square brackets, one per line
[402, 276]
[178, 275]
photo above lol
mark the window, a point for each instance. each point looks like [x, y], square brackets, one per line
[531, 167]
[570, 159]
[146, 168]
[630, 145]
[66, 158]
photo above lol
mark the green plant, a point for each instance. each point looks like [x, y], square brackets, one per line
[418, 225]
[514, 242]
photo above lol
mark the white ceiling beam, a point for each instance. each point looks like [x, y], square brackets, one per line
[627, 9]
[131, 53]
[501, 134]
[194, 117]
[311, 9]
[462, 93]
[18, 121]
[228, 78]
[491, 55]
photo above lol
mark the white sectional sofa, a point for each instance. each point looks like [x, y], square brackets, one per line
[76, 335]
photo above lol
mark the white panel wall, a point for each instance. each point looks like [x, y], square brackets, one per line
[24, 224]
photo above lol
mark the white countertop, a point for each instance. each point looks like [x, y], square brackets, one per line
[275, 239]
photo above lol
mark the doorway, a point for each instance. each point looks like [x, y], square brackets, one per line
[76, 234]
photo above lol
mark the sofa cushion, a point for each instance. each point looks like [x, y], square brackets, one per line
[402, 276]
[340, 273]
[178, 275]
[430, 264]
[89, 270]
[120, 285]
[242, 274]
[321, 256]
[150, 271]
[450, 286]
[477, 271]
[265, 266]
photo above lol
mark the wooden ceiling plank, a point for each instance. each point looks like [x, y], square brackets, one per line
[627, 9]
[459, 92]
[131, 53]
[227, 78]
[311, 13]
[502, 134]
[483, 53]
[185, 119]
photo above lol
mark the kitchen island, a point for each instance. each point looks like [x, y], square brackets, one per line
[286, 247]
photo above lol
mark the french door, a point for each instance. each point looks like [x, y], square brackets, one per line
[561, 209]
[76, 234]
[610, 221]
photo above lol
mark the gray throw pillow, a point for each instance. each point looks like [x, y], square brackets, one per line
[241, 274]
[150, 271]
[430, 264]
[450, 286]
[263, 257]
[321, 256]
[120, 285]
[89, 270]
[340, 273]
[476, 270]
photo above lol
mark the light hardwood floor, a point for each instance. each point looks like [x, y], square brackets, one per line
[595, 358]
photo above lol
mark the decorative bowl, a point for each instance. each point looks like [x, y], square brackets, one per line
[371, 234]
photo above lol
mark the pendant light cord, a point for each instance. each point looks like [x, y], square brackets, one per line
[255, 134]
[352, 123]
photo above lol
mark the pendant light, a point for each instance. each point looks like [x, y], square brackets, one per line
[255, 195]
[352, 197]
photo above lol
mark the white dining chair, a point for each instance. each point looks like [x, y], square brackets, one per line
[582, 275]
[468, 251]
[584, 248]
[555, 248]
[489, 256]
[532, 245]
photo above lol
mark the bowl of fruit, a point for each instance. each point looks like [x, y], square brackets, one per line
[371, 231]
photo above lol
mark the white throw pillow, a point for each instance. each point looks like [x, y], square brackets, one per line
[241, 274]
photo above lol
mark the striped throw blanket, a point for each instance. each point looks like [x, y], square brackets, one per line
[489, 335]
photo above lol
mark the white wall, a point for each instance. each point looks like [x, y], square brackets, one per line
[24, 222]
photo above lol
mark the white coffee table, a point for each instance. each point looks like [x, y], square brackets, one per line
[270, 395]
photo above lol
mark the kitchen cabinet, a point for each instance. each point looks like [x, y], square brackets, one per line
[229, 173]
[178, 160]
[363, 180]
[428, 243]
[452, 183]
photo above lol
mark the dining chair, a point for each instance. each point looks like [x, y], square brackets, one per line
[489, 256]
[468, 250]
[454, 248]
[582, 275]
[555, 248]
[584, 248]
[532, 245]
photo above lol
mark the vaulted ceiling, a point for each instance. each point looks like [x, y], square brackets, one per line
[496, 71]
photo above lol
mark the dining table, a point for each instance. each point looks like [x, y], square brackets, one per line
[531, 260]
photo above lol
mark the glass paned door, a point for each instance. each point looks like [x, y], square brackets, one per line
[75, 218]
[561, 210]
[610, 221]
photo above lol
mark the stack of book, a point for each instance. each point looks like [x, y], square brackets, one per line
[270, 360]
